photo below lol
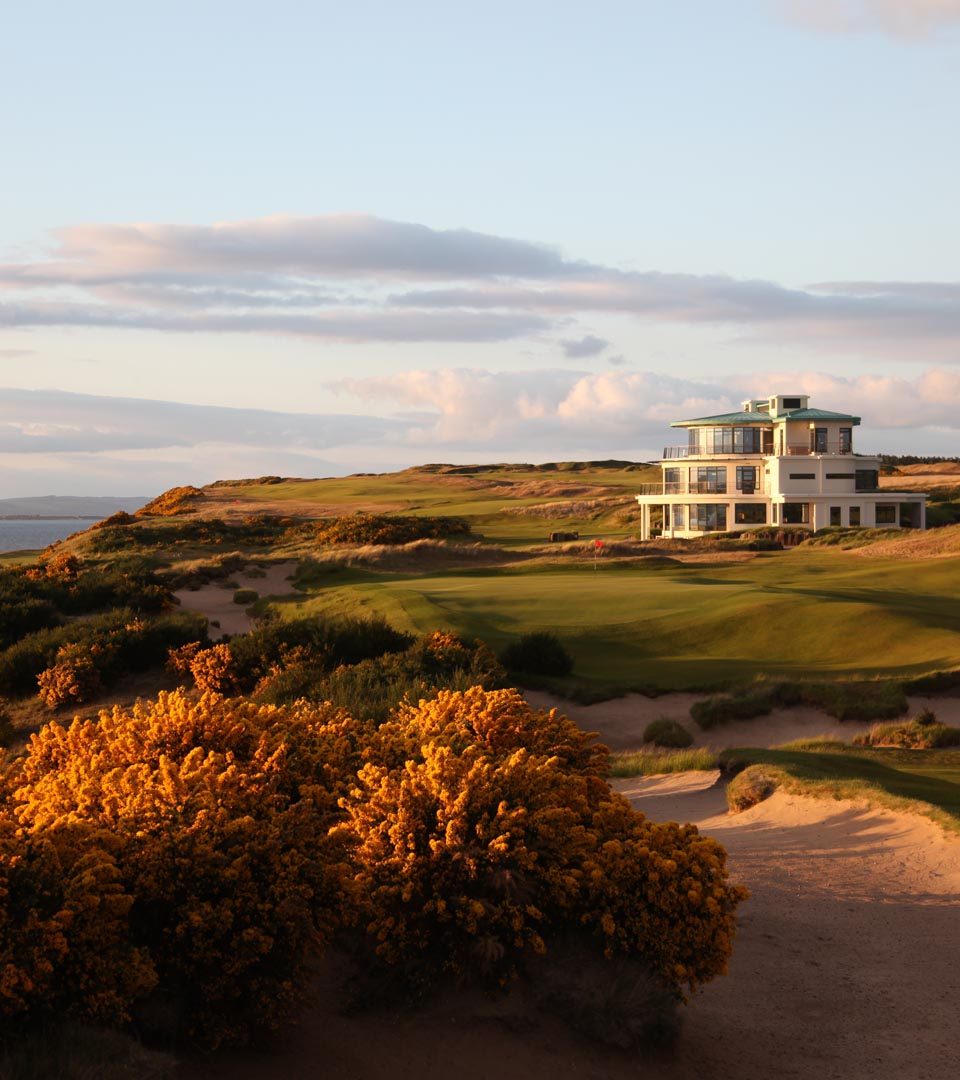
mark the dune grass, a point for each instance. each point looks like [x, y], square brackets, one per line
[655, 762]
[916, 781]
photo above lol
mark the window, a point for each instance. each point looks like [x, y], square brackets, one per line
[747, 479]
[791, 403]
[796, 513]
[835, 516]
[671, 481]
[803, 476]
[846, 440]
[712, 478]
[679, 518]
[867, 480]
[726, 440]
[818, 440]
[750, 514]
[855, 516]
[886, 513]
[709, 517]
[840, 475]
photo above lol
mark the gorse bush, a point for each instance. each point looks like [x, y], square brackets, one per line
[358, 529]
[373, 688]
[184, 861]
[539, 653]
[217, 813]
[475, 852]
[667, 733]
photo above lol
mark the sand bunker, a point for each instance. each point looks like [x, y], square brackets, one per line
[216, 602]
[620, 722]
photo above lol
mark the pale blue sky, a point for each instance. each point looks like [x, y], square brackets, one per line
[778, 145]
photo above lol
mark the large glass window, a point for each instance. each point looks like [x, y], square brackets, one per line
[709, 517]
[671, 481]
[726, 440]
[846, 440]
[867, 480]
[796, 513]
[886, 513]
[835, 516]
[819, 440]
[750, 514]
[747, 479]
[855, 516]
[711, 478]
[679, 521]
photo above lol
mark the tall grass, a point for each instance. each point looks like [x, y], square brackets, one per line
[655, 762]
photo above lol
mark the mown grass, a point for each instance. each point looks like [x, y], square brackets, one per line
[655, 762]
[917, 781]
[801, 614]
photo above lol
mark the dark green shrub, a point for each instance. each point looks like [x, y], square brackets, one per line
[539, 653]
[246, 596]
[667, 733]
[923, 732]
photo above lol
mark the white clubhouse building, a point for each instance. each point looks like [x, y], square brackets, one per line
[776, 462]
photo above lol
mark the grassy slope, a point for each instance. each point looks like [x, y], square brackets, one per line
[676, 626]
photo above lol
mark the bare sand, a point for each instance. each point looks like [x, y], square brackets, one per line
[846, 967]
[620, 722]
[216, 602]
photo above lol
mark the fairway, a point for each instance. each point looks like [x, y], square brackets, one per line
[685, 626]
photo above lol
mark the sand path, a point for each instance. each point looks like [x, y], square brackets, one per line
[620, 722]
[846, 967]
[217, 604]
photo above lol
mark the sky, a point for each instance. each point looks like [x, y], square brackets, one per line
[240, 239]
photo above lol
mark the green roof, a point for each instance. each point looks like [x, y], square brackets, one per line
[822, 414]
[727, 418]
[741, 419]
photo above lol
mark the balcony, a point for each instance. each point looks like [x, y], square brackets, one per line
[671, 452]
[699, 487]
[806, 450]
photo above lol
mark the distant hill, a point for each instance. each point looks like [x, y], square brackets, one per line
[86, 506]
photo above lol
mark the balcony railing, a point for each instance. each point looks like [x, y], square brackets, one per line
[699, 487]
[794, 449]
[805, 449]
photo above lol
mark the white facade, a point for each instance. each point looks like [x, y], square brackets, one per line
[777, 462]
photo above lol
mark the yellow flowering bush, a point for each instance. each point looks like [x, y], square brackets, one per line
[481, 829]
[499, 721]
[64, 927]
[219, 811]
[213, 669]
[73, 678]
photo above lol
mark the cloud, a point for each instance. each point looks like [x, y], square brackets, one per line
[615, 409]
[356, 278]
[578, 349]
[898, 18]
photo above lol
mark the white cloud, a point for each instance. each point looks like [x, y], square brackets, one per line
[899, 18]
[327, 278]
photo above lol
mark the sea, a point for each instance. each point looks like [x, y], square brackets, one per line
[28, 535]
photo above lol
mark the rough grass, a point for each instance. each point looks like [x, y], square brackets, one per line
[866, 700]
[655, 762]
[667, 733]
[915, 781]
[921, 733]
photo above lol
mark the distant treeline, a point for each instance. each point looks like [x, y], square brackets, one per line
[914, 459]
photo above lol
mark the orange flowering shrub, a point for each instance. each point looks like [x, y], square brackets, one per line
[219, 810]
[73, 678]
[498, 721]
[496, 833]
[64, 927]
[180, 659]
[213, 669]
